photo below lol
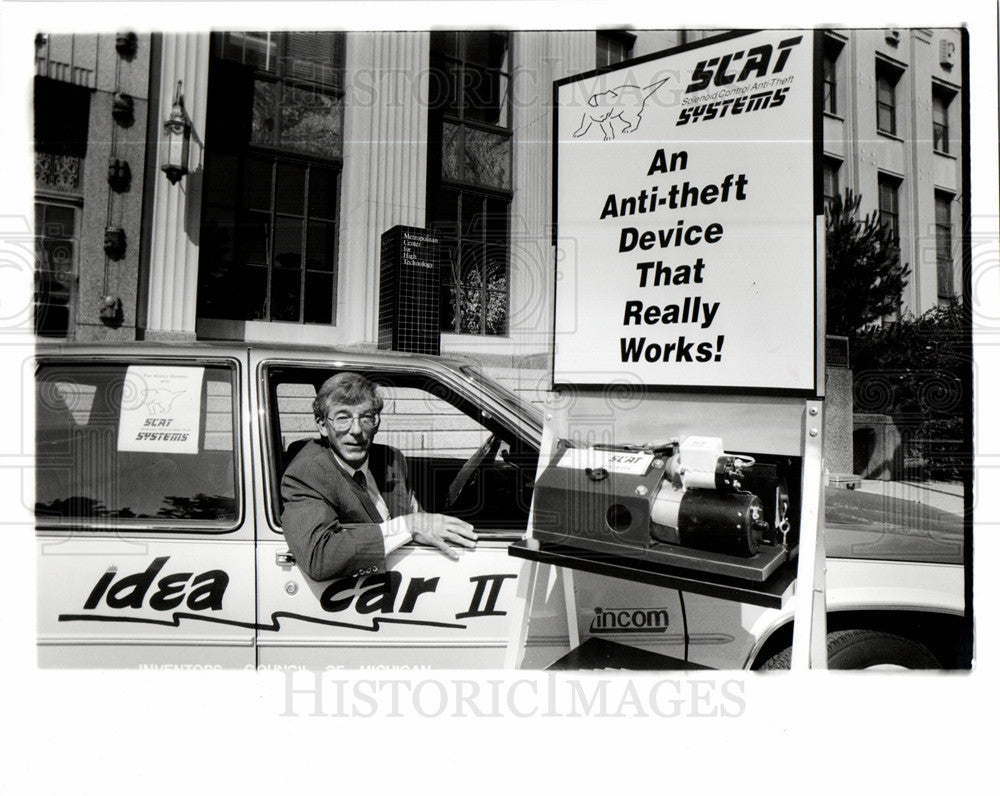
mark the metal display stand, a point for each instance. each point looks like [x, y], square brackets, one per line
[758, 392]
[803, 576]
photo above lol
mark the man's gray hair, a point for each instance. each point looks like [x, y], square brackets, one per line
[350, 389]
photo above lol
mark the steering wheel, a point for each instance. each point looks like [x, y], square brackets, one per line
[487, 449]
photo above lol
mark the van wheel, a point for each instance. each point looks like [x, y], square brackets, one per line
[865, 649]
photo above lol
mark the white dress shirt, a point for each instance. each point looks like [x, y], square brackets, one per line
[395, 530]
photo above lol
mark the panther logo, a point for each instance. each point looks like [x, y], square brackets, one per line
[158, 401]
[625, 103]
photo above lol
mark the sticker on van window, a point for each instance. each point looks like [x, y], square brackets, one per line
[161, 409]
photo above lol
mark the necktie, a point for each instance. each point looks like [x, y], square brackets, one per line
[377, 500]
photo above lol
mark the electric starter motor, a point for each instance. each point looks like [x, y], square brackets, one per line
[687, 495]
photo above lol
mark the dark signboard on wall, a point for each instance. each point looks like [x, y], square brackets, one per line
[409, 291]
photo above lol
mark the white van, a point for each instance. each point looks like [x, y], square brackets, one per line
[159, 540]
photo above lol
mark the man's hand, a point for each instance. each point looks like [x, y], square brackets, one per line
[439, 529]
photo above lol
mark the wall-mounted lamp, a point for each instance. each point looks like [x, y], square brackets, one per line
[126, 43]
[114, 242]
[177, 135]
[111, 311]
[123, 108]
[119, 174]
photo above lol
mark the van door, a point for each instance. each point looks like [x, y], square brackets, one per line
[144, 533]
[427, 610]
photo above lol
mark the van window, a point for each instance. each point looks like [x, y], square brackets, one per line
[460, 460]
[414, 419]
[149, 443]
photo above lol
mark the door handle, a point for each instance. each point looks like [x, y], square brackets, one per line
[284, 559]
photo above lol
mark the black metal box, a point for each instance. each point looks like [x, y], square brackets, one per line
[573, 505]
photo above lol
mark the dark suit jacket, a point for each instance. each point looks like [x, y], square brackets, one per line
[330, 523]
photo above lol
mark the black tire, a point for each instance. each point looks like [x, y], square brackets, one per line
[864, 649]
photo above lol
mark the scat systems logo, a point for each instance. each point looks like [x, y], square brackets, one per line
[630, 620]
[715, 71]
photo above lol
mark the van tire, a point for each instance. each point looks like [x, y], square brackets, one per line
[864, 649]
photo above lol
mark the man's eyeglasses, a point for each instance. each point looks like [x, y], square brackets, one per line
[343, 421]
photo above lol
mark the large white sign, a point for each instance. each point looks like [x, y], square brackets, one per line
[685, 188]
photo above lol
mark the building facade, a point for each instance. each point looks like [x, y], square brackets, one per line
[91, 108]
[304, 148]
[892, 132]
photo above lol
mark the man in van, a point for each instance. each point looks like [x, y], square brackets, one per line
[347, 502]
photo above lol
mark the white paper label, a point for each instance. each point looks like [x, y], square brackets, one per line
[161, 409]
[613, 461]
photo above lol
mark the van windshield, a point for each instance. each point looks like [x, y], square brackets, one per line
[504, 396]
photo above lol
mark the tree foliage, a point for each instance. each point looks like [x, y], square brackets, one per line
[864, 275]
[919, 371]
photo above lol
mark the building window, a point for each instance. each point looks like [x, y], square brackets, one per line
[56, 248]
[613, 47]
[298, 101]
[271, 243]
[469, 177]
[475, 290]
[941, 102]
[62, 115]
[831, 54]
[270, 201]
[942, 234]
[888, 210]
[888, 203]
[886, 79]
[831, 181]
